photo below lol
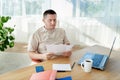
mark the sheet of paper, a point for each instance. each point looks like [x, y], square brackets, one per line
[61, 67]
[58, 49]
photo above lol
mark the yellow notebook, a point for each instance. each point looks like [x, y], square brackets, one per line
[45, 75]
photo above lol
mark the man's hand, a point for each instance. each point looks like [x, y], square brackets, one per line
[67, 54]
[48, 56]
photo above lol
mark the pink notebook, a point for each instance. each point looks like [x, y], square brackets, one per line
[45, 75]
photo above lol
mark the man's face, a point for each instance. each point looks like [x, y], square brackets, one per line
[50, 21]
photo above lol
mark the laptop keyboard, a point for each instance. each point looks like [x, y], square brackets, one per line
[97, 59]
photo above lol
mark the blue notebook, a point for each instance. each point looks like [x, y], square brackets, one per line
[99, 60]
[65, 78]
[39, 69]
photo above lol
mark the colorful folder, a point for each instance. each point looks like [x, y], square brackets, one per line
[45, 75]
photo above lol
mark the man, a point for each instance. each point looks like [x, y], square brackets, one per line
[46, 35]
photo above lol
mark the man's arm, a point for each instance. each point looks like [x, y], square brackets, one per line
[37, 56]
[67, 42]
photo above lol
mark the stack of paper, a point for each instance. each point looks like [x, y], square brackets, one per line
[58, 49]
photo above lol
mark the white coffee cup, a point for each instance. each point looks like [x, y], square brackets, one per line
[87, 65]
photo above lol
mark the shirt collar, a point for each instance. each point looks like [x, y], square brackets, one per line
[45, 30]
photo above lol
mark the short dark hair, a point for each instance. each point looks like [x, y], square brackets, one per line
[49, 11]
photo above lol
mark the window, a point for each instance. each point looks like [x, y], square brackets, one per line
[11, 7]
[21, 7]
[33, 7]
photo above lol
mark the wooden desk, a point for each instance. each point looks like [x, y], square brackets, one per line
[112, 70]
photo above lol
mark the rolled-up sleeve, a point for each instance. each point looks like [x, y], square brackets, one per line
[65, 41]
[33, 43]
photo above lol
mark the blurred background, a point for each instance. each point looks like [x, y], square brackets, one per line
[85, 21]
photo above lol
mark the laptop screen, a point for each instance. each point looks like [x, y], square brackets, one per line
[112, 47]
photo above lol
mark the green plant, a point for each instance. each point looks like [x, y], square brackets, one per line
[6, 37]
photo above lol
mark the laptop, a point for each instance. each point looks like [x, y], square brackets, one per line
[99, 60]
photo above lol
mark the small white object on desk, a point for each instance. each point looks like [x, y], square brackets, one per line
[62, 67]
[87, 65]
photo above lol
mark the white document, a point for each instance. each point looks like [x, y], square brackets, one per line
[58, 49]
[62, 67]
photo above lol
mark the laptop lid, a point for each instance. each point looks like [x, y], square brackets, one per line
[106, 58]
[112, 47]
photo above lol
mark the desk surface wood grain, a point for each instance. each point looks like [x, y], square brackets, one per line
[111, 72]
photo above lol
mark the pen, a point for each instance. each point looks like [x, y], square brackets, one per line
[61, 71]
[73, 65]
